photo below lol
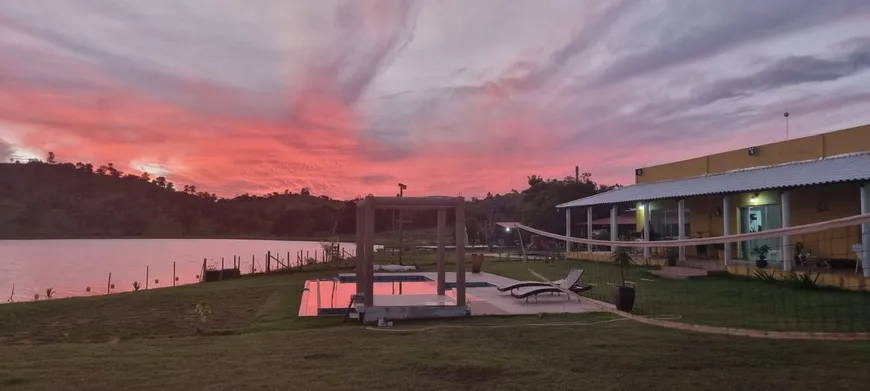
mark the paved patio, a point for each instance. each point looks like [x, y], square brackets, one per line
[488, 300]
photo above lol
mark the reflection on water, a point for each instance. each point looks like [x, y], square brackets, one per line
[71, 266]
[336, 295]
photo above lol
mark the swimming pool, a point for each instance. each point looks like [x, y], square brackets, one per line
[379, 278]
[327, 297]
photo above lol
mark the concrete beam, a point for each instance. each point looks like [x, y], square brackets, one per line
[460, 254]
[441, 255]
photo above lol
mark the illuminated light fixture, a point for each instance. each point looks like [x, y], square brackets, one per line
[754, 198]
[507, 229]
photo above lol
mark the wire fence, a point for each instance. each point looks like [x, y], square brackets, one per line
[811, 279]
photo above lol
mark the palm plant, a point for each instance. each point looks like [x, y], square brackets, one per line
[621, 257]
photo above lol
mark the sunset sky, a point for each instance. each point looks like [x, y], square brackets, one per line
[468, 96]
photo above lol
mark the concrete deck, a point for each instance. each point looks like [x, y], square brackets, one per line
[488, 300]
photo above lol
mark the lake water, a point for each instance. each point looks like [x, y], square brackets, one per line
[70, 267]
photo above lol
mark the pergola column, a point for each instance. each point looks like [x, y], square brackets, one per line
[567, 231]
[369, 298]
[865, 229]
[614, 226]
[589, 227]
[785, 204]
[646, 228]
[360, 249]
[726, 229]
[441, 256]
[681, 230]
[460, 252]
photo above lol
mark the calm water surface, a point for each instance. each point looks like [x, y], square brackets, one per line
[71, 266]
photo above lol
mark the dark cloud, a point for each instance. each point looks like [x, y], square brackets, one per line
[6, 152]
[376, 179]
[786, 72]
[733, 23]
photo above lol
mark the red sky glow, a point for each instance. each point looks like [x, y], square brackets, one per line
[351, 98]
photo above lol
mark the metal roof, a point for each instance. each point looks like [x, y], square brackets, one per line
[841, 168]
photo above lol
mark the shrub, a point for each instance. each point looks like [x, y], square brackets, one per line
[802, 281]
[765, 276]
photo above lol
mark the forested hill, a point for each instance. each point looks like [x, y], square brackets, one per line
[63, 200]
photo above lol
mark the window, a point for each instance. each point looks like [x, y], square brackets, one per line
[665, 224]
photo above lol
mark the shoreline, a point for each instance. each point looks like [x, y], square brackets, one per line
[276, 239]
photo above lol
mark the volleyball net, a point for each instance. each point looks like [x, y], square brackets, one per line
[810, 278]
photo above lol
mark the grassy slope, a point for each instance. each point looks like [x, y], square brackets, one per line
[255, 341]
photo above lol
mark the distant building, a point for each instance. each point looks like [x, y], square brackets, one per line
[761, 187]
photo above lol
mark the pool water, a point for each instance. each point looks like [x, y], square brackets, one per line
[335, 294]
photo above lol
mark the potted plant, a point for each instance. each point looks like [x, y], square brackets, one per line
[761, 252]
[623, 294]
[800, 253]
[476, 262]
[673, 255]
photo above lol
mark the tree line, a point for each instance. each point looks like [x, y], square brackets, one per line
[49, 199]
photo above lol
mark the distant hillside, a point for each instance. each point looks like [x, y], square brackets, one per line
[41, 200]
[62, 200]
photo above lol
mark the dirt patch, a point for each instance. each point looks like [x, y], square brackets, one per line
[322, 356]
[466, 374]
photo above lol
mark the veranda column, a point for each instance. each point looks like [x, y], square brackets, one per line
[440, 254]
[646, 228]
[785, 204]
[726, 229]
[589, 227]
[614, 226]
[681, 230]
[360, 249]
[460, 252]
[865, 229]
[567, 232]
[369, 261]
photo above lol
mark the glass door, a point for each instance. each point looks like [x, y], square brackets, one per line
[759, 219]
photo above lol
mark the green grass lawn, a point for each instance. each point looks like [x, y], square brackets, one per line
[252, 339]
[716, 300]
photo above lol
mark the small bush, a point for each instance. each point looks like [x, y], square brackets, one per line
[765, 276]
[136, 285]
[802, 281]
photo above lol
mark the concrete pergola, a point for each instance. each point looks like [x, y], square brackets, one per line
[365, 235]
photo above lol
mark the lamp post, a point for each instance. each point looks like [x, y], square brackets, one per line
[786, 125]
[402, 188]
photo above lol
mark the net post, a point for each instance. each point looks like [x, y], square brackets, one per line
[726, 229]
[785, 203]
[865, 230]
[614, 226]
[681, 221]
[589, 228]
[646, 228]
[568, 231]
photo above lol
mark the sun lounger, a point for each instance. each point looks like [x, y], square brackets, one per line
[572, 279]
[537, 291]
